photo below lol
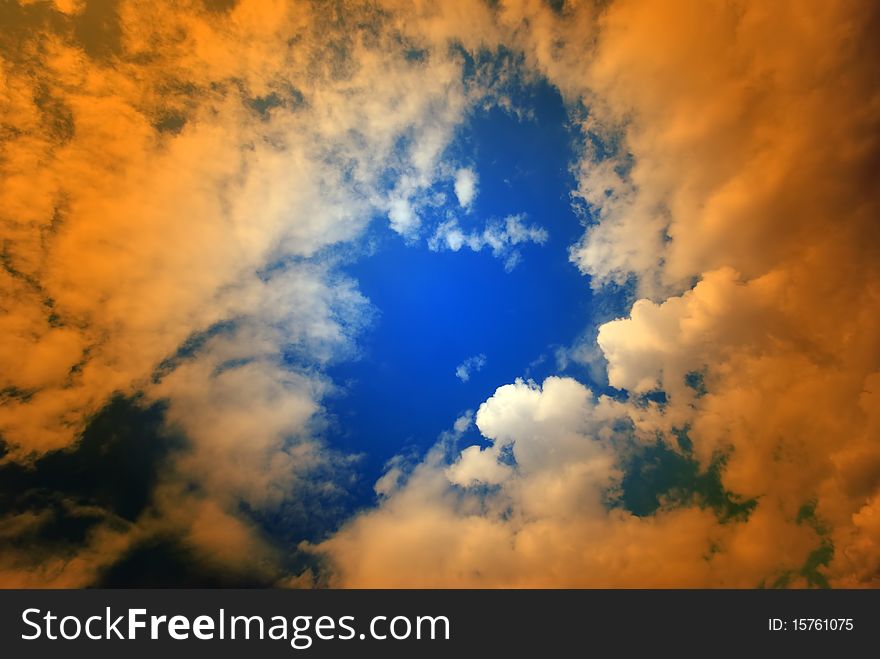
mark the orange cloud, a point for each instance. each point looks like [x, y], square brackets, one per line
[747, 162]
[156, 160]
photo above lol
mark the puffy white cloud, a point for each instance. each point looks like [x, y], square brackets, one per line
[403, 218]
[465, 187]
[530, 511]
[476, 466]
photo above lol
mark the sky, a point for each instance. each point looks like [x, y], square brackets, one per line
[459, 294]
[452, 323]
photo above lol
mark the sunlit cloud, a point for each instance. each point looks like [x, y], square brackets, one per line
[185, 190]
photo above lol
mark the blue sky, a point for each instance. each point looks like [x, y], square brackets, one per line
[242, 268]
[436, 309]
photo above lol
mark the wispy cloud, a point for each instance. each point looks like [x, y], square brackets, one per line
[470, 365]
[501, 238]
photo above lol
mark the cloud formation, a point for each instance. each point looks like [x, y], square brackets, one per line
[175, 181]
[502, 238]
[465, 187]
[172, 183]
[470, 365]
[531, 511]
[737, 191]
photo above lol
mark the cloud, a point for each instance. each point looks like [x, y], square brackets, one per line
[500, 237]
[172, 190]
[170, 201]
[765, 203]
[402, 216]
[735, 189]
[465, 187]
[463, 422]
[530, 511]
[470, 365]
